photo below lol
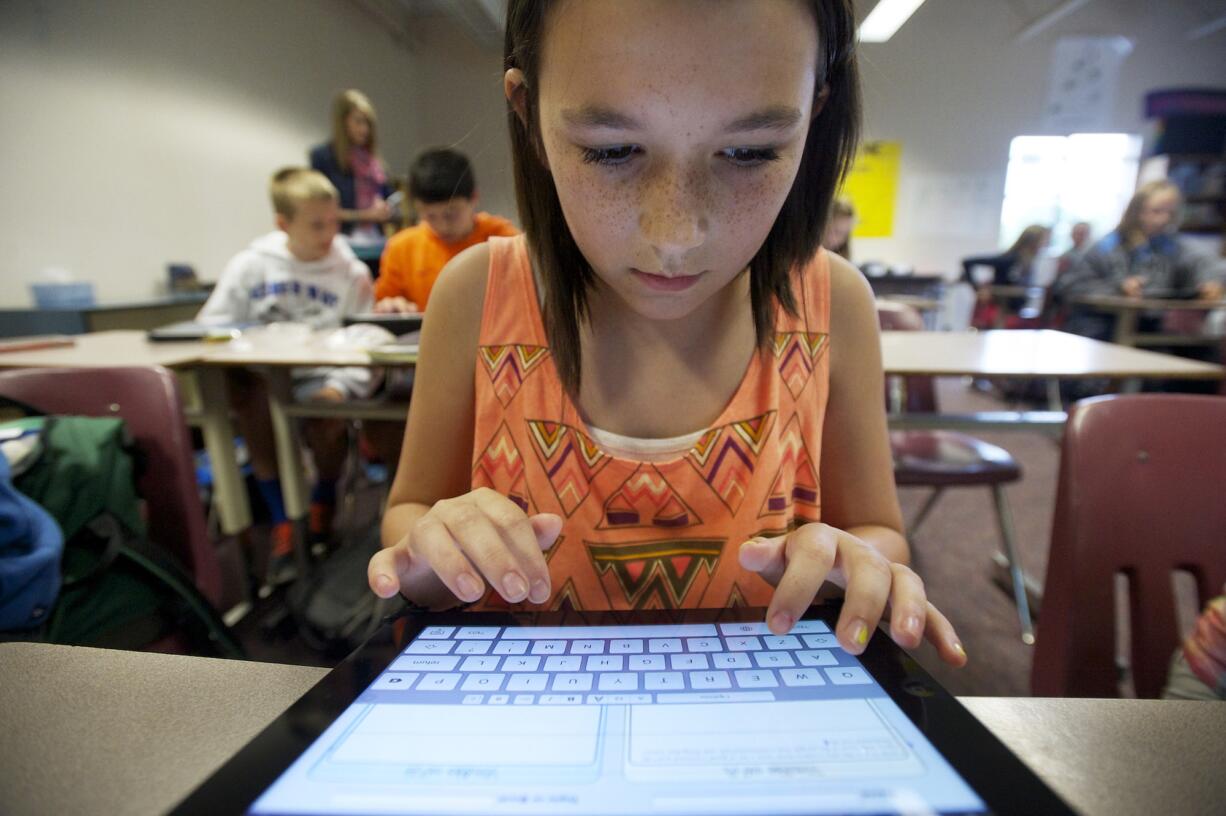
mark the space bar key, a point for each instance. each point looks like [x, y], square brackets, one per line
[715, 697]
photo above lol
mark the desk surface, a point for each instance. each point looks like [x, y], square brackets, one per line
[1029, 353]
[109, 348]
[98, 731]
[1125, 303]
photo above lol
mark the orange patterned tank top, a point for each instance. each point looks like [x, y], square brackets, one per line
[660, 534]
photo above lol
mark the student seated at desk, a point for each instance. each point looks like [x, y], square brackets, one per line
[1141, 258]
[1013, 267]
[444, 194]
[666, 384]
[350, 160]
[300, 272]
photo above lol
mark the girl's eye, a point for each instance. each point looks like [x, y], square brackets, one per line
[750, 156]
[609, 155]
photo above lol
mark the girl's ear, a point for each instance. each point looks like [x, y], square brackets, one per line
[516, 89]
[819, 101]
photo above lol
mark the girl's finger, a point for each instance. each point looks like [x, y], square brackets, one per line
[869, 577]
[908, 607]
[477, 537]
[519, 537]
[940, 632]
[764, 556]
[809, 552]
[435, 546]
[387, 569]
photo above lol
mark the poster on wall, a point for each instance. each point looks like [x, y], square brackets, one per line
[872, 187]
[1081, 91]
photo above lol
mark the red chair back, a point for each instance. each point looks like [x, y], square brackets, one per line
[1140, 493]
[148, 401]
[921, 395]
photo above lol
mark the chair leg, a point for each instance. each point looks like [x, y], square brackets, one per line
[913, 527]
[1005, 519]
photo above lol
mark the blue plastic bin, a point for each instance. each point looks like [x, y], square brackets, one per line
[62, 295]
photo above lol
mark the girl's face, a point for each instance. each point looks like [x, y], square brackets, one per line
[673, 131]
[837, 231]
[1158, 212]
[357, 127]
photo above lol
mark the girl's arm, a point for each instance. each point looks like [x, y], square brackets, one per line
[435, 524]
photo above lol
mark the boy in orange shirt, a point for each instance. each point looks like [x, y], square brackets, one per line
[443, 192]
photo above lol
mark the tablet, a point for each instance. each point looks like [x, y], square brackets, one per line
[397, 324]
[663, 712]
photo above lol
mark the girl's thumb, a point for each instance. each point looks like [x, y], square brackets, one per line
[547, 527]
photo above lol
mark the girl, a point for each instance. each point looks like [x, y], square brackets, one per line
[837, 237]
[678, 397]
[351, 162]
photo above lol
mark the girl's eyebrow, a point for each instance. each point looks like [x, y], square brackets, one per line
[779, 117]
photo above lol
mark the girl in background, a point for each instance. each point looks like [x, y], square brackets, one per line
[837, 237]
[351, 162]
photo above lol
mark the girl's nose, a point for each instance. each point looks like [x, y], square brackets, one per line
[673, 216]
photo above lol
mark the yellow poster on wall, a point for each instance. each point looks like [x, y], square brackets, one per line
[872, 186]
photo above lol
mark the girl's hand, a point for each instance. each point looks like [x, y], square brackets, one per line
[466, 542]
[798, 563]
[379, 211]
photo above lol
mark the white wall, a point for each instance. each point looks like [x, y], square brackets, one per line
[954, 87]
[138, 132]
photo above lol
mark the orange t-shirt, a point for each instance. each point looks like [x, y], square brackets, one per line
[414, 256]
[660, 534]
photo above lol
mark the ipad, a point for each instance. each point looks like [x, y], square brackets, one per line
[663, 712]
[397, 324]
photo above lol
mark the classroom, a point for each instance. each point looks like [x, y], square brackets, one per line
[822, 408]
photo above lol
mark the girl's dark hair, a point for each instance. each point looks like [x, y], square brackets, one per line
[793, 240]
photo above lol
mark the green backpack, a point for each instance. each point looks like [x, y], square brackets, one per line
[119, 590]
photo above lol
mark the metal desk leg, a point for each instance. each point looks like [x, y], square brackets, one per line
[229, 491]
[1126, 327]
[289, 445]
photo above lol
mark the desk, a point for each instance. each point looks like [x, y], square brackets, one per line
[1126, 310]
[143, 314]
[99, 731]
[1004, 296]
[206, 385]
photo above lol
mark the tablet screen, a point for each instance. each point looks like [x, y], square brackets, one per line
[696, 718]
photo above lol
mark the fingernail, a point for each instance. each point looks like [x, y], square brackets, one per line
[911, 625]
[781, 623]
[513, 586]
[860, 633]
[958, 648]
[470, 587]
[384, 584]
[540, 591]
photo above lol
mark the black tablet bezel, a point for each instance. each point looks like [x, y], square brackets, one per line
[991, 769]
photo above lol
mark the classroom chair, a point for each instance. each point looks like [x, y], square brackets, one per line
[148, 401]
[1140, 494]
[943, 459]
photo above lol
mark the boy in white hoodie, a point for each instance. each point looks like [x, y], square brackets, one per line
[301, 272]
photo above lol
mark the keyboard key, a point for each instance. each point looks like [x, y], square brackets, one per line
[619, 699]
[646, 662]
[572, 682]
[744, 628]
[780, 642]
[744, 644]
[478, 632]
[827, 641]
[818, 657]
[659, 645]
[561, 699]
[688, 661]
[436, 632]
[549, 647]
[807, 627]
[436, 681]
[663, 681]
[479, 663]
[716, 697]
[483, 682]
[524, 699]
[587, 647]
[755, 678]
[473, 699]
[499, 699]
[619, 681]
[848, 676]
[563, 664]
[472, 647]
[731, 660]
[605, 663]
[527, 682]
[511, 647]
[521, 664]
[395, 681]
[442, 663]
[704, 645]
[710, 680]
[434, 647]
[626, 646]
[801, 677]
[773, 660]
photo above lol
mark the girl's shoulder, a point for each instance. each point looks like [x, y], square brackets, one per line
[851, 297]
[458, 297]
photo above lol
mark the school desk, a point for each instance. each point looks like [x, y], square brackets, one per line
[1127, 310]
[204, 394]
[101, 731]
[141, 314]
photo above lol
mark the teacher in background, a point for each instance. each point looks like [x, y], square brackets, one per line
[351, 162]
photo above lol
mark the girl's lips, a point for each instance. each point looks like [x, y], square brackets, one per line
[663, 283]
